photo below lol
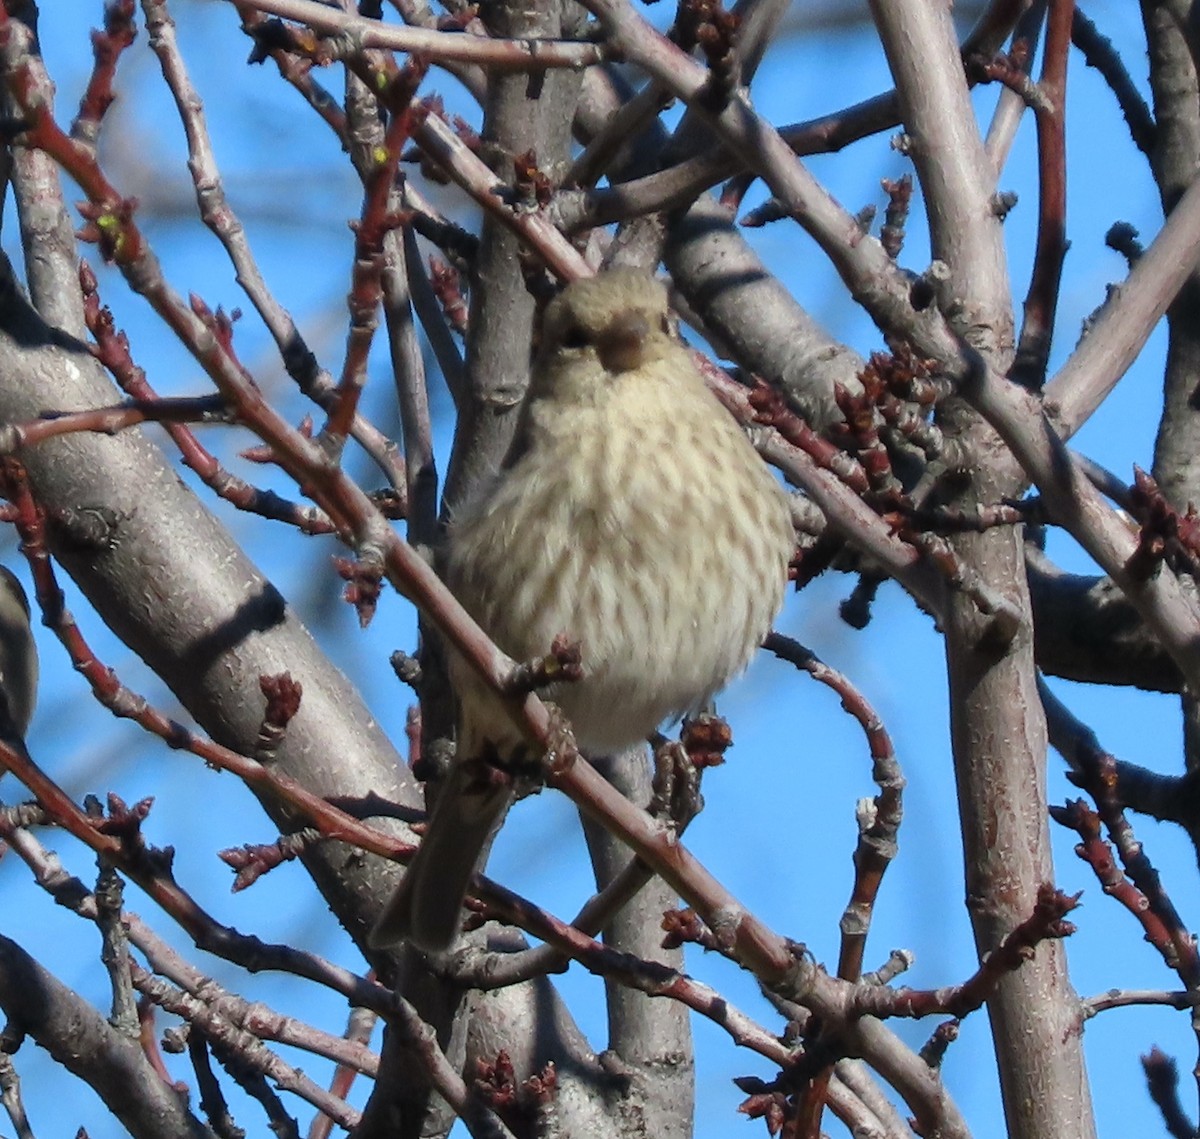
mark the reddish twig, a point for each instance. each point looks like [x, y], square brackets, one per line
[110, 420]
[1046, 923]
[1098, 854]
[771, 410]
[110, 692]
[252, 861]
[359, 1030]
[878, 829]
[1095, 770]
[376, 222]
[217, 213]
[1041, 299]
[107, 47]
[1165, 534]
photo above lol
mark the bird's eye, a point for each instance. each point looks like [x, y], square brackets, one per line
[574, 337]
[665, 324]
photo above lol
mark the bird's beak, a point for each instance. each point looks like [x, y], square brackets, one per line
[622, 345]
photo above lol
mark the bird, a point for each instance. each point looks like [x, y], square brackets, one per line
[632, 515]
[18, 658]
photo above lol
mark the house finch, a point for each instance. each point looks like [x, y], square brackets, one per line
[18, 657]
[632, 515]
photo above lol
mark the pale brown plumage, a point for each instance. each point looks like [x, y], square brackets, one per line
[631, 515]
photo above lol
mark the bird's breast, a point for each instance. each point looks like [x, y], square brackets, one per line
[654, 536]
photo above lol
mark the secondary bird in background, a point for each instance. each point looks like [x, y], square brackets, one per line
[18, 656]
[632, 515]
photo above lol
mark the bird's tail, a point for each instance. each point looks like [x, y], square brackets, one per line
[426, 908]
